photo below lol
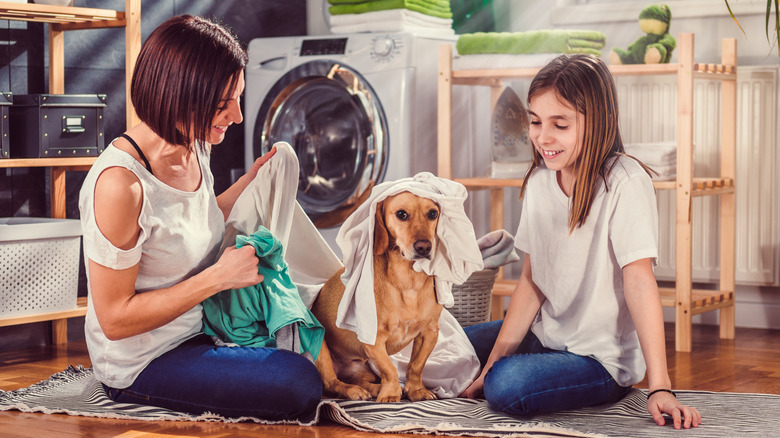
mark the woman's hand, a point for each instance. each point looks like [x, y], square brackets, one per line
[238, 267]
[227, 199]
[260, 161]
[663, 402]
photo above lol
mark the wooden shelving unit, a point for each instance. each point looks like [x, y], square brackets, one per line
[682, 297]
[61, 19]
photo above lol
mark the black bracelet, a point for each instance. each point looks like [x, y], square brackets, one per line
[661, 390]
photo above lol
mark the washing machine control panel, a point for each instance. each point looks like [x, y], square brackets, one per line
[329, 46]
[384, 48]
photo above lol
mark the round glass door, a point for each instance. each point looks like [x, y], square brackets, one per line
[334, 121]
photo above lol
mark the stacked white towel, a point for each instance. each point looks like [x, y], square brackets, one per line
[392, 20]
[660, 156]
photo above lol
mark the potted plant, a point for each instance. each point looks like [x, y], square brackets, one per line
[768, 18]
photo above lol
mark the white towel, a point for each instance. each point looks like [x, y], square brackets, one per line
[457, 255]
[452, 365]
[391, 20]
[665, 173]
[660, 154]
[269, 200]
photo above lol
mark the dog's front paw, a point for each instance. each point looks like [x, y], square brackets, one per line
[354, 392]
[389, 394]
[420, 394]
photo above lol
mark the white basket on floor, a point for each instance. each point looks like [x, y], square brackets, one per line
[473, 298]
[39, 265]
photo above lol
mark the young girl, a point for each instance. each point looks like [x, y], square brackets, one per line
[584, 322]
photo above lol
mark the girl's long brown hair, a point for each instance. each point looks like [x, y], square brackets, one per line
[584, 83]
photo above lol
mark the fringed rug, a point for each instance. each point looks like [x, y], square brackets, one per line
[76, 392]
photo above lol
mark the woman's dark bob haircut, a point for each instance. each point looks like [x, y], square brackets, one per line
[182, 73]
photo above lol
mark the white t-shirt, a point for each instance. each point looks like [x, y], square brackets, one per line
[580, 274]
[180, 236]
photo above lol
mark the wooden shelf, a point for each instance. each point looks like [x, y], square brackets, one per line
[70, 162]
[504, 287]
[491, 77]
[80, 310]
[701, 300]
[489, 183]
[60, 14]
[699, 186]
[683, 297]
[61, 19]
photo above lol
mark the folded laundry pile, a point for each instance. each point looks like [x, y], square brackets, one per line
[530, 42]
[433, 17]
[661, 157]
[497, 249]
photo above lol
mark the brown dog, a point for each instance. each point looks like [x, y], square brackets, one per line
[407, 310]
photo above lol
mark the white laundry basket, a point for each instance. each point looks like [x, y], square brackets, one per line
[472, 298]
[39, 265]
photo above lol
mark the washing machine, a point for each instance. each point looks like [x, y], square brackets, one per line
[358, 109]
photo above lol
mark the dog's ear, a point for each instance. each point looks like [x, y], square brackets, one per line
[381, 239]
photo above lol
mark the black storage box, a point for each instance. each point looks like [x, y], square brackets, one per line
[57, 125]
[5, 102]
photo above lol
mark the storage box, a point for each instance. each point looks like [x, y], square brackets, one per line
[5, 102]
[39, 265]
[57, 125]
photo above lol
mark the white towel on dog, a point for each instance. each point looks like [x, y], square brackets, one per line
[456, 257]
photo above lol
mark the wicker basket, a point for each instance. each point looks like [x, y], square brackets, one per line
[472, 298]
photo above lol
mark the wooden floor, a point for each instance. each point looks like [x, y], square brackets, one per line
[751, 363]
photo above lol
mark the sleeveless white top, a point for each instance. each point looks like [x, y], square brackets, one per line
[180, 236]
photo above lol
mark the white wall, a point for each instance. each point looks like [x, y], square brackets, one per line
[709, 21]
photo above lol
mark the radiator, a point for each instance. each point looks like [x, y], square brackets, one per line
[648, 114]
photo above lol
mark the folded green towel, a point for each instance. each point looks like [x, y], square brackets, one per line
[535, 41]
[426, 7]
[435, 3]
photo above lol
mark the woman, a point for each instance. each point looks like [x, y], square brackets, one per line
[584, 321]
[152, 231]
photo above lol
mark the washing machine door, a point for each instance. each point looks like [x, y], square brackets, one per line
[333, 119]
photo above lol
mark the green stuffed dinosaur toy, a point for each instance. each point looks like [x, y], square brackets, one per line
[656, 46]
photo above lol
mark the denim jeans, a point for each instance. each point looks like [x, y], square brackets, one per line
[198, 377]
[537, 379]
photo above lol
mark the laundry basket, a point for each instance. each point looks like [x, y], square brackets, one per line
[472, 298]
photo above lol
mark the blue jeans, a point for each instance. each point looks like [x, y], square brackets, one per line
[537, 379]
[198, 377]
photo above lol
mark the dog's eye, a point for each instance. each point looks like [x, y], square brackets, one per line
[402, 215]
[433, 214]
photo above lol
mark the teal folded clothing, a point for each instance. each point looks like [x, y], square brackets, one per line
[535, 41]
[426, 7]
[257, 316]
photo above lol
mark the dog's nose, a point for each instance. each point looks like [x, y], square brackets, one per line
[422, 248]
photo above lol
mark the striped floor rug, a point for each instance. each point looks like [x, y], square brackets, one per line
[76, 392]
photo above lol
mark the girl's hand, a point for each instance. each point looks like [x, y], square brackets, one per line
[238, 267]
[664, 402]
[475, 390]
